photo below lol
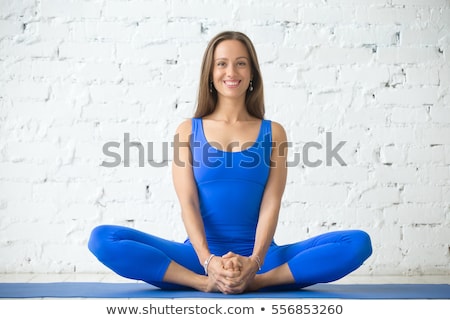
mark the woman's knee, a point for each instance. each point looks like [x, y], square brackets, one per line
[363, 242]
[98, 238]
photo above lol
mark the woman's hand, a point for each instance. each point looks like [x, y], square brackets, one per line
[246, 267]
[223, 274]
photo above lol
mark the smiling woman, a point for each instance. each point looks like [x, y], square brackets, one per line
[230, 210]
[217, 50]
[231, 73]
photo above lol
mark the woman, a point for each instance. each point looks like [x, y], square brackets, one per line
[229, 173]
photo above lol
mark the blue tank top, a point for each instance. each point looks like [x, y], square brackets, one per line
[230, 188]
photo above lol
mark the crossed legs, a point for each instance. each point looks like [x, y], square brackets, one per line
[172, 265]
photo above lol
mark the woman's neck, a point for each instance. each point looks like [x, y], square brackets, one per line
[231, 110]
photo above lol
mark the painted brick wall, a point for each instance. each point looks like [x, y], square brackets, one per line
[76, 75]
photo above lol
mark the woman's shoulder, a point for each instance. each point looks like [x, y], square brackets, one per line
[278, 131]
[184, 129]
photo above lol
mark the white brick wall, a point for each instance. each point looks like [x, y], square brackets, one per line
[77, 74]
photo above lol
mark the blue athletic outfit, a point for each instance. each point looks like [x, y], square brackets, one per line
[230, 189]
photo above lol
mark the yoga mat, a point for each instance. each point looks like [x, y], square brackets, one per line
[143, 290]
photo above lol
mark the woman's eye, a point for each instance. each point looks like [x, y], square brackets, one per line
[220, 64]
[242, 64]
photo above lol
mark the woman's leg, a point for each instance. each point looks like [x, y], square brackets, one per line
[136, 255]
[325, 258]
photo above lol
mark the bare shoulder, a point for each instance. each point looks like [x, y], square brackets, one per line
[184, 129]
[278, 132]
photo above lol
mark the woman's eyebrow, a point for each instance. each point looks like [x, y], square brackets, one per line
[235, 59]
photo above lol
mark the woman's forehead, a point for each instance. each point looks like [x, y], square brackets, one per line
[231, 49]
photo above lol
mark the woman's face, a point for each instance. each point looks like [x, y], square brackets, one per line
[231, 69]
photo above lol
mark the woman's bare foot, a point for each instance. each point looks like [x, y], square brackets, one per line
[211, 285]
[254, 285]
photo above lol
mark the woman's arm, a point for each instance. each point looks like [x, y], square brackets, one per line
[186, 189]
[273, 193]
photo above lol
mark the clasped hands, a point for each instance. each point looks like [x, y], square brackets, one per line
[231, 273]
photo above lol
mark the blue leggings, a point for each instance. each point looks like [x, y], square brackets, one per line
[137, 255]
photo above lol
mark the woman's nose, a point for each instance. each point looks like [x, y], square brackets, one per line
[231, 70]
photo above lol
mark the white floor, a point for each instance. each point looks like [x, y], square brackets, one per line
[112, 278]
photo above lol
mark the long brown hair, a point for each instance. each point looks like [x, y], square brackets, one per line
[206, 101]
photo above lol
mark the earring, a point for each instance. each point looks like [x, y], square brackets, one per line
[250, 88]
[210, 86]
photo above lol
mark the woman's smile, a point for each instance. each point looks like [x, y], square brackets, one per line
[232, 83]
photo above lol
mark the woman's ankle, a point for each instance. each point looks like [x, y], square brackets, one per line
[208, 285]
[256, 283]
